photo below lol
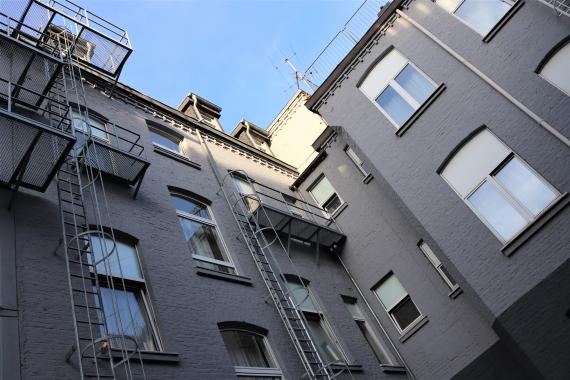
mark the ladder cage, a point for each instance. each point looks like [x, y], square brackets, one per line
[246, 209]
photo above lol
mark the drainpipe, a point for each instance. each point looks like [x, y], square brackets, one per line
[248, 133]
[539, 120]
[400, 357]
[195, 106]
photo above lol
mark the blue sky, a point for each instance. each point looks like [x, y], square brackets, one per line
[224, 51]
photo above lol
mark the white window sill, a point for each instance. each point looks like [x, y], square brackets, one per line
[176, 156]
[413, 328]
[366, 180]
[339, 210]
[455, 292]
[229, 277]
[522, 237]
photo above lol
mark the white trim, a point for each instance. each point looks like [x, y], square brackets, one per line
[209, 222]
[333, 193]
[356, 160]
[436, 263]
[460, 3]
[258, 372]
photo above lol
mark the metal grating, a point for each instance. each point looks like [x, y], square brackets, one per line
[48, 148]
[90, 39]
[113, 161]
[562, 7]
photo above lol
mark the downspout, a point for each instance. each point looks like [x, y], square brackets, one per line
[539, 120]
[400, 357]
[248, 133]
[196, 110]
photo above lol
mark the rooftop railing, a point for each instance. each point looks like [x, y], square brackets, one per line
[343, 41]
[561, 7]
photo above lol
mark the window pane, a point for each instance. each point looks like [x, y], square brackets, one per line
[450, 280]
[354, 310]
[390, 292]
[495, 209]
[98, 129]
[322, 190]
[247, 349]
[119, 321]
[322, 341]
[373, 342]
[482, 15]
[214, 266]
[165, 141]
[202, 239]
[301, 297]
[190, 207]
[395, 106]
[122, 263]
[405, 313]
[415, 83]
[333, 204]
[525, 186]
[246, 188]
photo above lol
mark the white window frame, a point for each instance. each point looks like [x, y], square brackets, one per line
[356, 160]
[436, 263]
[244, 371]
[371, 331]
[83, 118]
[509, 2]
[322, 319]
[180, 152]
[511, 200]
[398, 303]
[402, 92]
[141, 288]
[334, 192]
[212, 223]
[565, 46]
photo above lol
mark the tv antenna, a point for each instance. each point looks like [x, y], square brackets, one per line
[300, 76]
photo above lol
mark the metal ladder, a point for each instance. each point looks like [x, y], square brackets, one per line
[91, 339]
[259, 247]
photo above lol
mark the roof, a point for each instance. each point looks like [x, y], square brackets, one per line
[241, 126]
[384, 15]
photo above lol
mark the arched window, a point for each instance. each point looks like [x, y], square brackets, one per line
[502, 190]
[201, 233]
[555, 67]
[249, 351]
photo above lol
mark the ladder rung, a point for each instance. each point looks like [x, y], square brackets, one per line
[88, 307]
[84, 291]
[89, 323]
[80, 276]
[80, 263]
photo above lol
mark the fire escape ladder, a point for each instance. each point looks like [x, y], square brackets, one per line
[259, 245]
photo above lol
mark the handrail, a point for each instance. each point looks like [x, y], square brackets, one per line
[119, 138]
[63, 122]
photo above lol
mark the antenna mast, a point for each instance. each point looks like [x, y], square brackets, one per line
[300, 76]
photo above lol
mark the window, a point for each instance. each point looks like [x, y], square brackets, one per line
[366, 329]
[89, 124]
[555, 69]
[201, 233]
[294, 206]
[127, 307]
[432, 258]
[357, 161]
[319, 329]
[165, 140]
[502, 190]
[481, 15]
[247, 192]
[397, 87]
[325, 195]
[397, 303]
[251, 355]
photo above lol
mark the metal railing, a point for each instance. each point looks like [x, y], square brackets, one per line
[39, 108]
[345, 39]
[89, 19]
[116, 136]
[293, 206]
[25, 33]
[561, 7]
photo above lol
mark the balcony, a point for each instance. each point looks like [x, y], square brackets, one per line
[114, 150]
[35, 137]
[291, 216]
[71, 30]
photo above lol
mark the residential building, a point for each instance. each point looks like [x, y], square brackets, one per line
[408, 239]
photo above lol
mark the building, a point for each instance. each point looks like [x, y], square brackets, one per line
[141, 241]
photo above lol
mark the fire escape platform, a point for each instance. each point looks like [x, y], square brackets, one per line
[297, 227]
[31, 151]
[121, 164]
